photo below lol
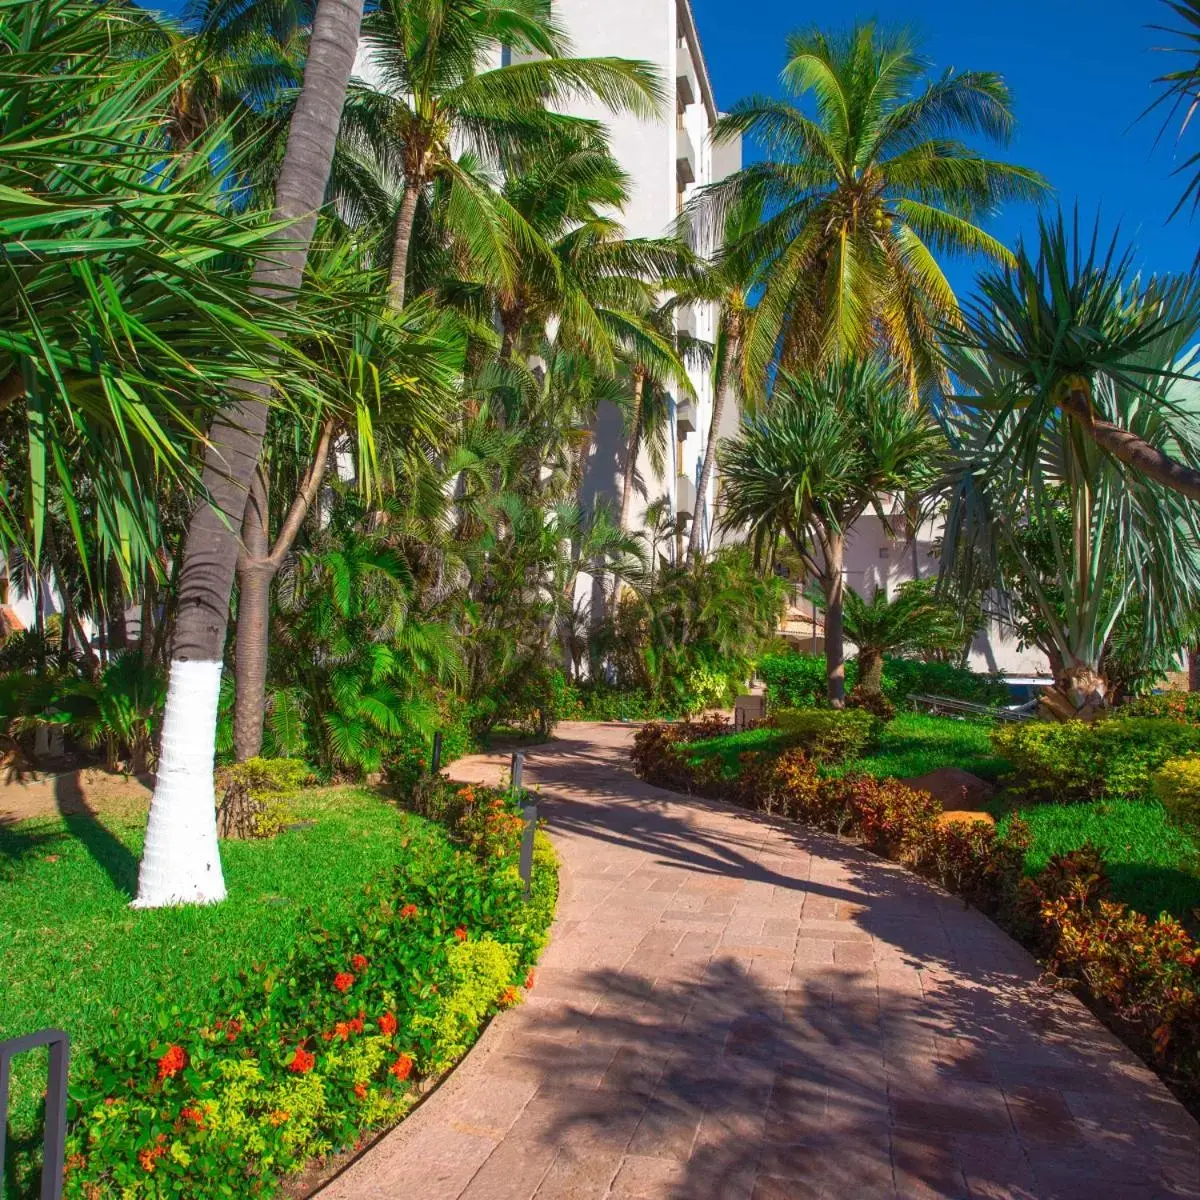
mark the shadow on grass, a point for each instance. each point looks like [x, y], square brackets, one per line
[84, 824]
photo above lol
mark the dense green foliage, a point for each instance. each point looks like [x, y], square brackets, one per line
[796, 679]
[1087, 760]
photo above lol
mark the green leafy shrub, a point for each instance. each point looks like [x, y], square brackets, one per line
[1085, 760]
[255, 795]
[303, 1057]
[1177, 784]
[829, 735]
[603, 702]
[795, 680]
[1176, 706]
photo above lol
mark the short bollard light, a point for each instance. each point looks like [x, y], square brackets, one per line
[516, 772]
[55, 1137]
[437, 753]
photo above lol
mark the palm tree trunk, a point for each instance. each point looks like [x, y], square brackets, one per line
[631, 449]
[732, 348]
[254, 622]
[258, 564]
[404, 227]
[835, 654]
[181, 863]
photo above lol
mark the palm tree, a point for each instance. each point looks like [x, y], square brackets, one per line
[915, 619]
[1181, 90]
[436, 94]
[828, 447]
[181, 863]
[1067, 320]
[864, 197]
[1057, 359]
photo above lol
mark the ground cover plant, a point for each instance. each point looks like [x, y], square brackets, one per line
[233, 1043]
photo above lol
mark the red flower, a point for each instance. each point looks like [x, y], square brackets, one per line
[409, 910]
[529, 979]
[402, 1067]
[342, 1029]
[387, 1024]
[343, 981]
[358, 963]
[355, 1024]
[461, 933]
[194, 1115]
[509, 997]
[303, 1062]
[172, 1062]
[327, 1035]
[360, 1090]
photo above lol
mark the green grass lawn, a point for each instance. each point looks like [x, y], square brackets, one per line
[74, 955]
[1152, 864]
[912, 744]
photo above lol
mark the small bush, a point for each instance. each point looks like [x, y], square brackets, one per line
[1177, 784]
[256, 795]
[829, 735]
[1085, 760]
[798, 680]
[1176, 706]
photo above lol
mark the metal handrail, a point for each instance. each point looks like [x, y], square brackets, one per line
[54, 1139]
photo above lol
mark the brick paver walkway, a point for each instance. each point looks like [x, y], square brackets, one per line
[734, 1008]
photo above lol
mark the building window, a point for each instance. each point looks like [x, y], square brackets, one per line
[885, 552]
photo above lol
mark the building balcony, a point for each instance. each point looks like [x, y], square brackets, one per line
[685, 497]
[685, 159]
[686, 320]
[687, 83]
[685, 417]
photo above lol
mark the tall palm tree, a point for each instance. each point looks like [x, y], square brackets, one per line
[1058, 359]
[1181, 89]
[181, 863]
[863, 197]
[828, 447]
[437, 90]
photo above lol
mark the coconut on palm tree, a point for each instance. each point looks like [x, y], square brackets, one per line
[867, 186]
[829, 446]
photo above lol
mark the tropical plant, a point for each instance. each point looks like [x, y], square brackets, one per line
[915, 619]
[862, 199]
[181, 861]
[433, 92]
[1181, 89]
[828, 447]
[1049, 352]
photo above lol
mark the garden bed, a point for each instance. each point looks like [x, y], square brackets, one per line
[358, 953]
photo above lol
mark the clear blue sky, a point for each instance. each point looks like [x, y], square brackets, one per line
[1080, 72]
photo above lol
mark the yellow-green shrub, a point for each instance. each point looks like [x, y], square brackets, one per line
[829, 734]
[1177, 785]
[481, 971]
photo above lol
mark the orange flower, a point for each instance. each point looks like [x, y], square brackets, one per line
[356, 1023]
[359, 963]
[530, 979]
[402, 1067]
[342, 1030]
[409, 910]
[360, 1090]
[343, 981]
[509, 997]
[461, 933]
[387, 1024]
[302, 1062]
[278, 1117]
[194, 1115]
[172, 1062]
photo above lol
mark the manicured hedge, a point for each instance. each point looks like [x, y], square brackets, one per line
[794, 680]
[1141, 973]
[302, 1058]
[1112, 757]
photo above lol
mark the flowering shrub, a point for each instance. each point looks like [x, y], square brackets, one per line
[1085, 760]
[305, 1056]
[1176, 706]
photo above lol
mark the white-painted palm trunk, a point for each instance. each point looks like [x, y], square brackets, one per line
[181, 863]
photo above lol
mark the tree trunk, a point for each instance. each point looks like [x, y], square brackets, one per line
[732, 349]
[835, 655]
[631, 449]
[258, 564]
[398, 279]
[870, 671]
[1193, 660]
[254, 620]
[181, 863]
[1079, 692]
[1128, 448]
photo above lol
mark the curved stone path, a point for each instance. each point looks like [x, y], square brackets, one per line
[733, 1007]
